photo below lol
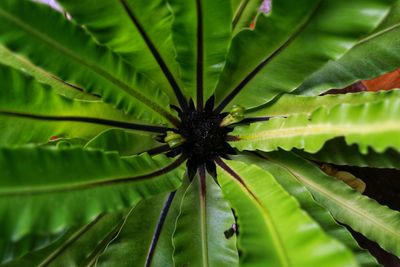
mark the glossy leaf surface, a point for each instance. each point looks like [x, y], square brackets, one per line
[265, 209]
[152, 222]
[140, 31]
[294, 41]
[85, 64]
[368, 125]
[106, 105]
[108, 182]
[289, 104]
[34, 112]
[363, 214]
[78, 247]
[204, 218]
[372, 56]
[201, 34]
[289, 182]
[60, 87]
[126, 143]
[338, 152]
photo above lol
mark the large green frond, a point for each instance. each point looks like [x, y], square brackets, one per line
[60, 87]
[134, 242]
[273, 230]
[365, 215]
[374, 124]
[290, 44]
[15, 249]
[288, 104]
[32, 112]
[72, 186]
[80, 246]
[337, 152]
[126, 143]
[140, 31]
[53, 39]
[372, 56]
[146, 238]
[201, 34]
[289, 182]
[205, 216]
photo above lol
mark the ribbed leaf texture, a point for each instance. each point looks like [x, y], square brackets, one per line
[93, 67]
[368, 125]
[107, 182]
[120, 119]
[279, 55]
[80, 246]
[289, 182]
[382, 48]
[288, 233]
[32, 112]
[338, 152]
[207, 215]
[288, 104]
[363, 214]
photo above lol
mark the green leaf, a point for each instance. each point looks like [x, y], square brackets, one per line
[146, 238]
[373, 56]
[273, 230]
[288, 104]
[126, 143]
[135, 239]
[244, 14]
[139, 31]
[78, 247]
[33, 112]
[374, 125]
[365, 215]
[235, 4]
[313, 209]
[290, 44]
[68, 90]
[392, 19]
[337, 152]
[53, 39]
[199, 237]
[201, 34]
[72, 186]
[65, 142]
[10, 250]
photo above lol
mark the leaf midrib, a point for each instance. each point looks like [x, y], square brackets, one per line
[62, 49]
[335, 198]
[69, 242]
[203, 217]
[248, 78]
[317, 129]
[121, 225]
[238, 14]
[102, 245]
[156, 54]
[47, 78]
[159, 228]
[89, 184]
[267, 216]
[378, 34]
[199, 55]
[92, 120]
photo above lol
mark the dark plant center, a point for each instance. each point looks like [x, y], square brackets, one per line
[205, 139]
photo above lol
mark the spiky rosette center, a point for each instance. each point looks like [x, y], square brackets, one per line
[200, 137]
[204, 137]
